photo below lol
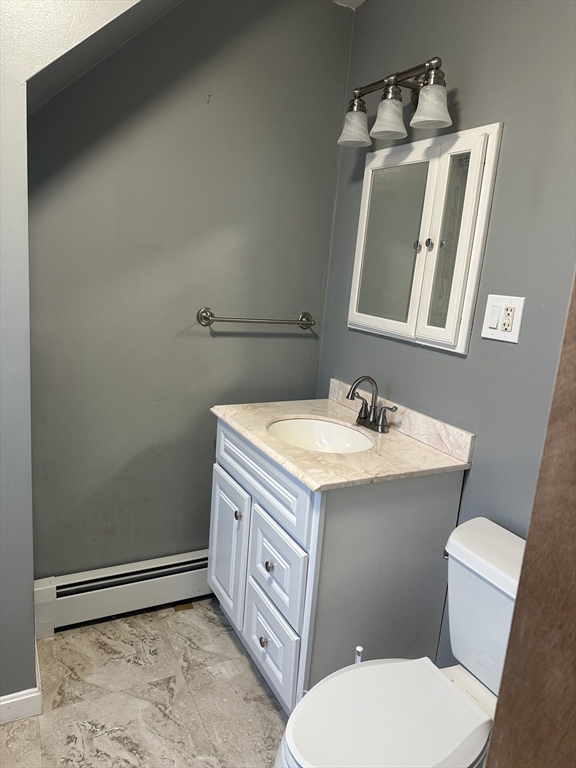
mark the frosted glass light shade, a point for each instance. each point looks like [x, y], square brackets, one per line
[432, 109]
[355, 131]
[389, 121]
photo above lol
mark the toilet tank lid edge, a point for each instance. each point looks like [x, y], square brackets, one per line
[489, 550]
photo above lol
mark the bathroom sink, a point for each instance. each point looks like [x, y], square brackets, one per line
[319, 435]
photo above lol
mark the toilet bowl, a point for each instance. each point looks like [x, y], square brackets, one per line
[408, 713]
[391, 714]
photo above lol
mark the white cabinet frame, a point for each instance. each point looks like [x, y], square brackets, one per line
[484, 146]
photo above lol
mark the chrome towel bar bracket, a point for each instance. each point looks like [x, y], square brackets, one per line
[206, 317]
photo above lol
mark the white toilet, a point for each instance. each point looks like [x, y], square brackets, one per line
[396, 713]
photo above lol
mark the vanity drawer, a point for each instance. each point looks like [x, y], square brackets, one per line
[273, 644]
[278, 565]
[287, 500]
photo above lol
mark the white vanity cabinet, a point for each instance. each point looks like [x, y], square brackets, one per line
[304, 577]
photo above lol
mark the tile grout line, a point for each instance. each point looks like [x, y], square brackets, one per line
[210, 625]
[40, 741]
[197, 632]
[168, 633]
[104, 691]
[164, 633]
[241, 655]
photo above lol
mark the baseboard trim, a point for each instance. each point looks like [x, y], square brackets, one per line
[61, 601]
[22, 704]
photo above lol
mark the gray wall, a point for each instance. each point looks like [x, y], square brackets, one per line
[501, 61]
[33, 34]
[195, 166]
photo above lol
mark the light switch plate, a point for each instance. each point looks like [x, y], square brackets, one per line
[503, 313]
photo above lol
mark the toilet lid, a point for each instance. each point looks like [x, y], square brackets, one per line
[399, 714]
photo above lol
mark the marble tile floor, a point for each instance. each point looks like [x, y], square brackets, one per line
[150, 690]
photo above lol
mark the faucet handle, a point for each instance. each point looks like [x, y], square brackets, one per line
[363, 412]
[382, 423]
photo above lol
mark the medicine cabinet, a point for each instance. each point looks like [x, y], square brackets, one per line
[423, 223]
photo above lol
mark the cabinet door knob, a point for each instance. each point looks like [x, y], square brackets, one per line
[269, 566]
[417, 245]
[429, 243]
[237, 514]
[263, 642]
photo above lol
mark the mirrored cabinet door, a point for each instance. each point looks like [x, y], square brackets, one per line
[448, 240]
[398, 216]
[392, 235]
[452, 232]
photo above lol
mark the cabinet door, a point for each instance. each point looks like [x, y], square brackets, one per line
[396, 212]
[452, 234]
[228, 553]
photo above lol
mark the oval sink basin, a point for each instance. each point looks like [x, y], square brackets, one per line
[316, 435]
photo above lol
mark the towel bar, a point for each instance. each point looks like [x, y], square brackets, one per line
[206, 317]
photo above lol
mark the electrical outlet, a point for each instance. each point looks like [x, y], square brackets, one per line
[508, 319]
[503, 318]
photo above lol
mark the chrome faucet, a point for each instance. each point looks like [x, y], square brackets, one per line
[370, 417]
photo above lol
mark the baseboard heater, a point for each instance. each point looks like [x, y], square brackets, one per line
[60, 601]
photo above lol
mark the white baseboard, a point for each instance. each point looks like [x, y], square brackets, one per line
[22, 704]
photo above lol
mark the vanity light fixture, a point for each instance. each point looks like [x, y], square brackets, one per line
[429, 95]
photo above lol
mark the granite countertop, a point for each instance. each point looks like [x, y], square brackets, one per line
[393, 455]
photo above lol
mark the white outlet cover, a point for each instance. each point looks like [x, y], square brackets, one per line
[495, 309]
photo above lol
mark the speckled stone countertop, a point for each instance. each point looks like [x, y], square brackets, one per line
[393, 455]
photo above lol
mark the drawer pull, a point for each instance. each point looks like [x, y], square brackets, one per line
[237, 514]
[263, 642]
[269, 566]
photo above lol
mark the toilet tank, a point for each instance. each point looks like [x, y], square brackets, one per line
[484, 562]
